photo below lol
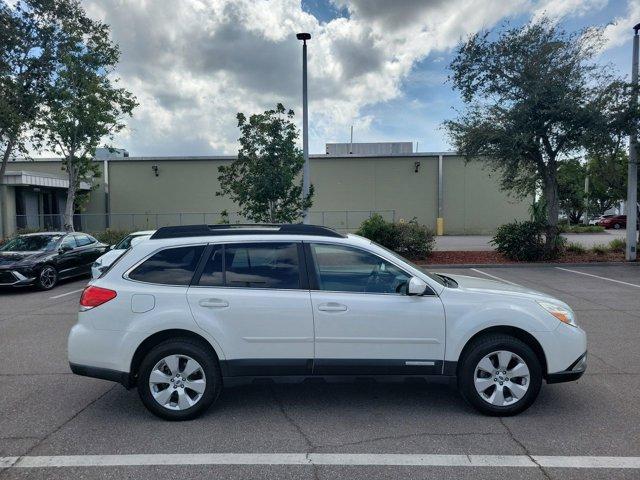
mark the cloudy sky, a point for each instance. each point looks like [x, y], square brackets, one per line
[379, 65]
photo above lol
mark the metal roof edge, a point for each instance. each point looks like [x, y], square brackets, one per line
[233, 157]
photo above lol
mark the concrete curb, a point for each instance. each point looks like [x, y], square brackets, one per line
[432, 266]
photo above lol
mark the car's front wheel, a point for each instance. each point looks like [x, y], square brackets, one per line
[47, 278]
[179, 379]
[500, 375]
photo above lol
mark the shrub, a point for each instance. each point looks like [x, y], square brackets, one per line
[618, 245]
[520, 240]
[600, 249]
[379, 230]
[575, 248]
[410, 239]
[111, 237]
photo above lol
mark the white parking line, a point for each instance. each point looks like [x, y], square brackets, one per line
[598, 276]
[493, 276]
[65, 294]
[338, 459]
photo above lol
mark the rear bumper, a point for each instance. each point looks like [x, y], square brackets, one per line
[574, 372]
[122, 378]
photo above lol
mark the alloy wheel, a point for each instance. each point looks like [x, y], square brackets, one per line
[48, 277]
[177, 382]
[501, 378]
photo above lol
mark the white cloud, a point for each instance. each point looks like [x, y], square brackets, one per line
[558, 9]
[621, 29]
[193, 64]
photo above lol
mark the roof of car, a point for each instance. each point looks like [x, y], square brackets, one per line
[44, 233]
[183, 231]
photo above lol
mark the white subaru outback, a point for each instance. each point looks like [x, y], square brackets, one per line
[198, 307]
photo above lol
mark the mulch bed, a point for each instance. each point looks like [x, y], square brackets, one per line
[488, 257]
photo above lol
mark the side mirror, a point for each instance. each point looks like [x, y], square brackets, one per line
[416, 286]
[64, 248]
[111, 247]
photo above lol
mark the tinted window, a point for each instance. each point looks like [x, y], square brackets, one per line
[69, 241]
[345, 269]
[172, 266]
[83, 240]
[257, 265]
[212, 275]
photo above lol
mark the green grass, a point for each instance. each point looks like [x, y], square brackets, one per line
[600, 249]
[618, 245]
[575, 248]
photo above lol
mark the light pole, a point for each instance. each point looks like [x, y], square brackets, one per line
[632, 183]
[305, 123]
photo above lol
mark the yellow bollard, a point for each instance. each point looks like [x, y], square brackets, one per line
[439, 226]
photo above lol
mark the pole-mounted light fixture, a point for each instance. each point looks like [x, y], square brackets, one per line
[305, 122]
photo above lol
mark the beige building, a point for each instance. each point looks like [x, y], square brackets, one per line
[145, 192]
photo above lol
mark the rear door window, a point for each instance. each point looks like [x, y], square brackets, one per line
[253, 265]
[83, 240]
[172, 266]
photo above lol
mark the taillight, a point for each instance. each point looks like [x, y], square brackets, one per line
[95, 296]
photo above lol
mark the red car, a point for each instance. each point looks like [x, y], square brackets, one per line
[615, 221]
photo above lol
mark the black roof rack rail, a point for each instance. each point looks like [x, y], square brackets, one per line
[244, 229]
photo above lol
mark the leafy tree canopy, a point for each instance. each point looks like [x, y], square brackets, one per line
[534, 97]
[84, 105]
[265, 179]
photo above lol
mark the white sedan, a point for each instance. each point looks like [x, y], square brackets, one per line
[103, 262]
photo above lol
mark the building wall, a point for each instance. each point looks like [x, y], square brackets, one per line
[96, 206]
[348, 189]
[473, 202]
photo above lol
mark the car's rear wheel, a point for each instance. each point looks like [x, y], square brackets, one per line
[47, 278]
[179, 379]
[500, 375]
[616, 226]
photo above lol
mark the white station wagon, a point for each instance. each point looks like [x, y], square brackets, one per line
[196, 308]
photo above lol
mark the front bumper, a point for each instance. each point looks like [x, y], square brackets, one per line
[14, 278]
[574, 372]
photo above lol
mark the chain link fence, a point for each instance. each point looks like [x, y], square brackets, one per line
[341, 220]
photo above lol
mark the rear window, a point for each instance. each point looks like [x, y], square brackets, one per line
[253, 265]
[83, 240]
[172, 266]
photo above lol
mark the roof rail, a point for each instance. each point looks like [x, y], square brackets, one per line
[244, 229]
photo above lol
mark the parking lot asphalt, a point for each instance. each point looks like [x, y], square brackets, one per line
[420, 430]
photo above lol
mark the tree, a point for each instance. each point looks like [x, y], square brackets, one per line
[607, 180]
[84, 104]
[28, 44]
[571, 193]
[534, 97]
[264, 180]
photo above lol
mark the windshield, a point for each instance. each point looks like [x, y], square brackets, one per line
[124, 243]
[31, 243]
[433, 277]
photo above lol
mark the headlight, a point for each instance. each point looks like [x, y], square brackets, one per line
[565, 315]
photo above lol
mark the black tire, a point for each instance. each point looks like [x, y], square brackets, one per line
[197, 351]
[616, 226]
[47, 277]
[484, 346]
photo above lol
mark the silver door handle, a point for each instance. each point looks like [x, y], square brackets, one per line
[332, 307]
[213, 303]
